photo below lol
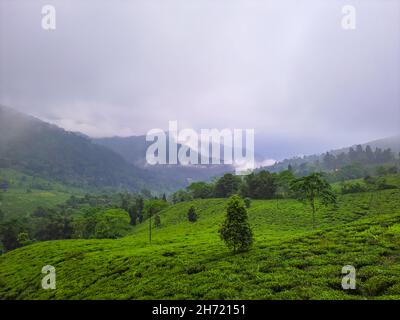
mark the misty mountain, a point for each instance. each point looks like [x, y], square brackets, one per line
[133, 150]
[38, 148]
[392, 143]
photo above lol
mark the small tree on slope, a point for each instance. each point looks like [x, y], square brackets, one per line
[192, 215]
[311, 188]
[235, 230]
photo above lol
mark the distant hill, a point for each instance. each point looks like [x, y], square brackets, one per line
[133, 150]
[392, 143]
[38, 148]
[35, 147]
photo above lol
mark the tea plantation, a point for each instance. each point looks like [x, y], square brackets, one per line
[187, 260]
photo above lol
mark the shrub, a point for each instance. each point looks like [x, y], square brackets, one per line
[192, 215]
[247, 202]
[112, 224]
[352, 188]
[157, 221]
[235, 230]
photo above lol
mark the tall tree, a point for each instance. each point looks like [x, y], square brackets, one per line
[312, 188]
[236, 230]
[192, 215]
[133, 215]
[227, 185]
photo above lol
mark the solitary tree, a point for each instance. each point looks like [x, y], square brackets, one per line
[312, 188]
[247, 202]
[235, 230]
[133, 215]
[192, 215]
[157, 221]
[139, 208]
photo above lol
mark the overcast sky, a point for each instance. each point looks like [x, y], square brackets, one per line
[285, 68]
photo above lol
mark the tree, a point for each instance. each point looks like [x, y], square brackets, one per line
[181, 196]
[157, 220]
[133, 215]
[9, 231]
[227, 185]
[4, 185]
[260, 185]
[235, 230]
[139, 208]
[23, 239]
[285, 179]
[312, 188]
[124, 201]
[369, 154]
[51, 225]
[151, 208]
[192, 215]
[112, 223]
[200, 190]
[329, 161]
[139, 204]
[247, 202]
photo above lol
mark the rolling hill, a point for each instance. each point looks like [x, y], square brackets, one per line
[133, 150]
[186, 260]
[37, 148]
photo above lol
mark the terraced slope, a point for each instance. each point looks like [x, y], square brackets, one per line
[188, 260]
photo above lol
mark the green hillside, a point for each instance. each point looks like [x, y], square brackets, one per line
[187, 260]
[34, 147]
[25, 193]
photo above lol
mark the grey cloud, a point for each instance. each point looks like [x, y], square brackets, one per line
[286, 69]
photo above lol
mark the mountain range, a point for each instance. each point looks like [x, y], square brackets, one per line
[38, 148]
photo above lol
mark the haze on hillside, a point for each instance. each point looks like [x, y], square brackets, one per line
[286, 69]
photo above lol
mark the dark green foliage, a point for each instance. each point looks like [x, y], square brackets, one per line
[181, 196]
[377, 183]
[4, 185]
[235, 230]
[111, 224]
[140, 205]
[9, 231]
[157, 221]
[133, 215]
[284, 180]
[288, 260]
[50, 224]
[262, 185]
[23, 239]
[349, 187]
[192, 215]
[200, 190]
[227, 185]
[38, 148]
[312, 188]
[154, 206]
[247, 202]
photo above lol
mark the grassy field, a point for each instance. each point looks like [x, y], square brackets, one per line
[25, 193]
[187, 260]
